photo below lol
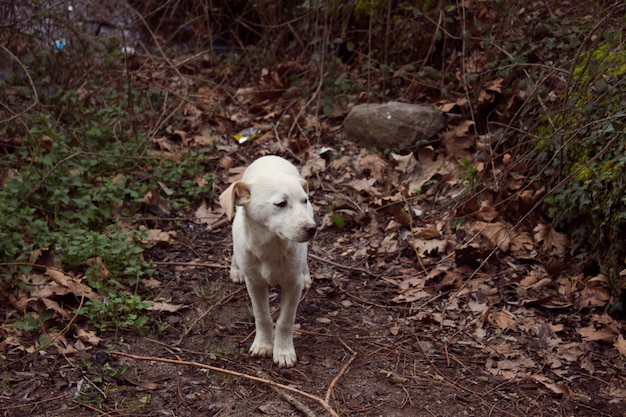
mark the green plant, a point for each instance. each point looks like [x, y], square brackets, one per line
[32, 321]
[337, 220]
[120, 309]
[75, 169]
[589, 172]
[470, 174]
[185, 173]
[563, 99]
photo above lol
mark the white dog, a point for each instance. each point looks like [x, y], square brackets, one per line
[273, 223]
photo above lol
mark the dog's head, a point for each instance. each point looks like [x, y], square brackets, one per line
[279, 203]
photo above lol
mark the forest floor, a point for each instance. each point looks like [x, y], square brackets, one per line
[420, 305]
[501, 341]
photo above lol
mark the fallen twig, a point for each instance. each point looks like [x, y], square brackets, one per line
[338, 265]
[203, 315]
[32, 405]
[293, 401]
[319, 400]
[458, 385]
[191, 264]
[343, 370]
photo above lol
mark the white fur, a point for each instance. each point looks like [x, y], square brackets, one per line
[273, 223]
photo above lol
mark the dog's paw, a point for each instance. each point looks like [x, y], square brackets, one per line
[285, 358]
[261, 350]
[236, 276]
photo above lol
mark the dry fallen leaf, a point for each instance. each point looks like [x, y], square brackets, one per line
[457, 141]
[498, 234]
[202, 141]
[394, 377]
[522, 241]
[590, 334]
[365, 185]
[495, 85]
[414, 174]
[595, 293]
[21, 301]
[313, 166]
[556, 388]
[503, 320]
[71, 285]
[533, 277]
[616, 393]
[620, 345]
[427, 232]
[411, 289]
[511, 369]
[394, 207]
[376, 166]
[157, 204]
[163, 306]
[404, 163]
[103, 271]
[429, 247]
[88, 337]
[549, 239]
[571, 352]
[53, 305]
[157, 235]
[204, 215]
[152, 283]
[587, 364]
[448, 106]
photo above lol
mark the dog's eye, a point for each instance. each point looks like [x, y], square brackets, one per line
[305, 201]
[281, 204]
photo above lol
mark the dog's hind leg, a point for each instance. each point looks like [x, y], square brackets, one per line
[284, 351]
[263, 340]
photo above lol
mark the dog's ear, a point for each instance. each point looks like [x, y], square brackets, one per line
[305, 185]
[238, 194]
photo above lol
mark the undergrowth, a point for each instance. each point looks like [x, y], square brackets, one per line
[568, 135]
[591, 203]
[77, 160]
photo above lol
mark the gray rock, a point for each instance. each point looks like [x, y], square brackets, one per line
[395, 126]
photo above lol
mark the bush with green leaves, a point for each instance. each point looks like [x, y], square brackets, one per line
[70, 198]
[76, 161]
[590, 200]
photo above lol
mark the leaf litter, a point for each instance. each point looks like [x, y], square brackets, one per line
[408, 233]
[443, 264]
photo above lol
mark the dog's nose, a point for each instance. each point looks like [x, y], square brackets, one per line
[310, 229]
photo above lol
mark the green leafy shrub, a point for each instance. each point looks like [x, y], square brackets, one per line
[75, 164]
[591, 204]
[119, 309]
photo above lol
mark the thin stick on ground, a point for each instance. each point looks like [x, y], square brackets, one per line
[317, 399]
[293, 401]
[338, 265]
[343, 370]
[206, 313]
[476, 394]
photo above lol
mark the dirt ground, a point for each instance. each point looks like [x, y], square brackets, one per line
[359, 352]
[387, 329]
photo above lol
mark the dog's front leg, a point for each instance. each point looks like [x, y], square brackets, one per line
[235, 272]
[284, 351]
[263, 340]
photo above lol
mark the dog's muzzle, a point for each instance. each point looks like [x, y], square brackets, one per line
[310, 230]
